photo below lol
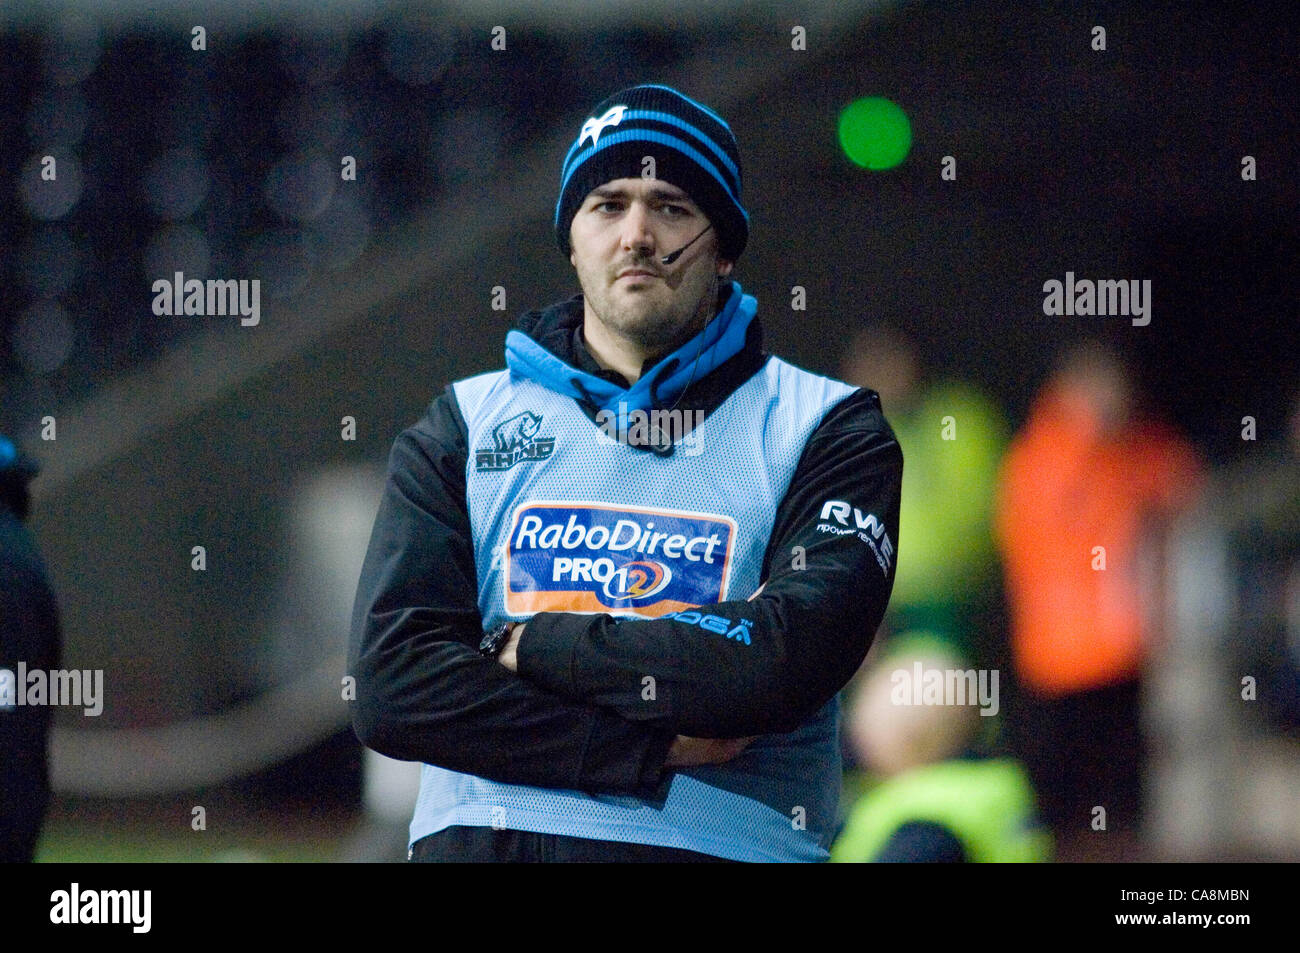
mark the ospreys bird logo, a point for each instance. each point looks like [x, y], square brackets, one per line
[513, 440]
[594, 127]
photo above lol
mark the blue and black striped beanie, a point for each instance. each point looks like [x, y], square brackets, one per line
[693, 149]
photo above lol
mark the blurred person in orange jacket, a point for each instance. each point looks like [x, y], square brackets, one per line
[1084, 489]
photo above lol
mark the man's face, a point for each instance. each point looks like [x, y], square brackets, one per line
[629, 224]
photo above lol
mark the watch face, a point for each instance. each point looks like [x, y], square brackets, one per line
[494, 641]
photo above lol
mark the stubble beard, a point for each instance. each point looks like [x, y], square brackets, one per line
[656, 328]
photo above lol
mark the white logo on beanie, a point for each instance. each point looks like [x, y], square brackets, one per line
[594, 127]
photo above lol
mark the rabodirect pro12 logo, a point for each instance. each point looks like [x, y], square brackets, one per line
[601, 557]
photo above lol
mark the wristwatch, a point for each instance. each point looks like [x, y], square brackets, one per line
[496, 640]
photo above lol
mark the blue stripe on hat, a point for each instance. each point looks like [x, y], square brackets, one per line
[632, 115]
[649, 135]
[698, 105]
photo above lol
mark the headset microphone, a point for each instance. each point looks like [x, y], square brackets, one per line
[669, 259]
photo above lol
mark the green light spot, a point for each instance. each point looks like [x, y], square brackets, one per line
[875, 133]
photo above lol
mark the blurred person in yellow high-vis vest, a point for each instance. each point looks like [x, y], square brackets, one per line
[938, 795]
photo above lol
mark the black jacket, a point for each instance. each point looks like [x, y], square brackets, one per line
[573, 717]
[29, 633]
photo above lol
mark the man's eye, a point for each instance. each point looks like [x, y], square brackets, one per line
[603, 204]
[677, 210]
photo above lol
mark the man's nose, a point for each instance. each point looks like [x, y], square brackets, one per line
[636, 227]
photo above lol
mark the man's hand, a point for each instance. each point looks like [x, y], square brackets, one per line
[686, 752]
[509, 656]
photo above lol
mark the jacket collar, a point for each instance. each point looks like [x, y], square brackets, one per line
[545, 346]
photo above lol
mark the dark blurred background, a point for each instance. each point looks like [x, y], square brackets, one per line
[174, 432]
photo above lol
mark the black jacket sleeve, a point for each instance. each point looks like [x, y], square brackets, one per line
[29, 634]
[828, 577]
[423, 691]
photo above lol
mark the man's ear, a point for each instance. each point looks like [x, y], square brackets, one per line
[724, 267]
